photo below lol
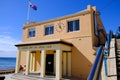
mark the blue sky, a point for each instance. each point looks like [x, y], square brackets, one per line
[13, 15]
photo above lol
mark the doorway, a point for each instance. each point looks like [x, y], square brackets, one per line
[49, 64]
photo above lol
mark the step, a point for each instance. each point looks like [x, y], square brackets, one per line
[118, 59]
[118, 69]
[117, 55]
[118, 63]
[118, 73]
[118, 52]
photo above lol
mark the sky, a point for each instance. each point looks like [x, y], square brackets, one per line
[13, 14]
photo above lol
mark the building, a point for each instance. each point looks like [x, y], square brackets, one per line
[63, 46]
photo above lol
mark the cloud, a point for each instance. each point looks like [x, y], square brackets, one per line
[6, 30]
[7, 48]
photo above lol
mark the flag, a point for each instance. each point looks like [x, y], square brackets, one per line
[33, 6]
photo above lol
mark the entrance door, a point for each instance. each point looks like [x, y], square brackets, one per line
[49, 64]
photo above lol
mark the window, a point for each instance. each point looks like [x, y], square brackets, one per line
[73, 25]
[49, 30]
[31, 32]
[95, 25]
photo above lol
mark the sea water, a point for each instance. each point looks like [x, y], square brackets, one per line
[7, 63]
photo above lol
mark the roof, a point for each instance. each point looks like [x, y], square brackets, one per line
[57, 41]
[59, 18]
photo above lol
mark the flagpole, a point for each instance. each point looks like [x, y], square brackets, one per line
[28, 11]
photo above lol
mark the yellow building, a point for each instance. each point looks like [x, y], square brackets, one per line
[63, 46]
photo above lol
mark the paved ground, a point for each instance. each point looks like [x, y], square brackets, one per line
[32, 77]
[8, 76]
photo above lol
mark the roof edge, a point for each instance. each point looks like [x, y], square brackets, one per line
[83, 12]
[43, 43]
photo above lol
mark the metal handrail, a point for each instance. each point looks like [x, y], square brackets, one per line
[96, 68]
[95, 65]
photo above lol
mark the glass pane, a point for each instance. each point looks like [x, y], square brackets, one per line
[29, 34]
[51, 30]
[76, 25]
[32, 32]
[46, 30]
[70, 26]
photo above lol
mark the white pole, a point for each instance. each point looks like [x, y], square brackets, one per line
[28, 12]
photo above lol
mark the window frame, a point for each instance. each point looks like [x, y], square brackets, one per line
[74, 29]
[33, 33]
[51, 32]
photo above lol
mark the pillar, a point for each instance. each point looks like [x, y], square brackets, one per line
[69, 63]
[54, 63]
[31, 62]
[58, 64]
[18, 62]
[34, 57]
[27, 63]
[43, 57]
[64, 63]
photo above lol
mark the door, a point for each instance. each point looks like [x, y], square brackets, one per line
[49, 64]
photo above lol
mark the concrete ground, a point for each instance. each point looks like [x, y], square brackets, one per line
[8, 76]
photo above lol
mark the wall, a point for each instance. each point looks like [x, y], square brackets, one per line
[82, 40]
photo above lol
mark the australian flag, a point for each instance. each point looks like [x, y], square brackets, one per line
[33, 6]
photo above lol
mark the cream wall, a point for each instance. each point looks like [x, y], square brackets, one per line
[85, 30]
[23, 59]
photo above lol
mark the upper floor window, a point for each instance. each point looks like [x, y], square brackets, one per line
[31, 32]
[73, 25]
[49, 30]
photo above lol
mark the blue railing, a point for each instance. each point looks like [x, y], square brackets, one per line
[95, 65]
[101, 54]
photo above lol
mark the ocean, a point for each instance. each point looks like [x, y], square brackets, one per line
[7, 63]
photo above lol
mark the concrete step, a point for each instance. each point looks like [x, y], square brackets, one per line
[118, 63]
[118, 59]
[22, 77]
[117, 55]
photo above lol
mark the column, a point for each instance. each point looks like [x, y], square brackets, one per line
[27, 63]
[54, 63]
[18, 62]
[34, 57]
[43, 57]
[69, 63]
[58, 64]
[64, 63]
[31, 62]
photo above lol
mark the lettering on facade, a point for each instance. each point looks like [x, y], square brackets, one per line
[37, 47]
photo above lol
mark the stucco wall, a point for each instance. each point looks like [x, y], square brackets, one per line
[82, 40]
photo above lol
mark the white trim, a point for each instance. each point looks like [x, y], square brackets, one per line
[58, 64]
[27, 63]
[31, 61]
[18, 62]
[43, 58]
[54, 63]
[34, 58]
